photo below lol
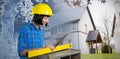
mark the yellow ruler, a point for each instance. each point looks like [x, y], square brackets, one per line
[38, 52]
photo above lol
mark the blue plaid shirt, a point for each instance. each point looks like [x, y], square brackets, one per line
[29, 38]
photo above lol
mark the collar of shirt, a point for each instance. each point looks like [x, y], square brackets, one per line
[33, 27]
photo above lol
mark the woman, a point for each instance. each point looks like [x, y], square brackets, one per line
[31, 36]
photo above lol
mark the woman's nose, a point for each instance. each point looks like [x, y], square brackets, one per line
[47, 20]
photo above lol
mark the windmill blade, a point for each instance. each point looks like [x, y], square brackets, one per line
[90, 15]
[114, 21]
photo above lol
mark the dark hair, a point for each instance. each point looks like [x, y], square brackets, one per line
[38, 19]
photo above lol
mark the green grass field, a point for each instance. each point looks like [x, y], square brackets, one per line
[100, 56]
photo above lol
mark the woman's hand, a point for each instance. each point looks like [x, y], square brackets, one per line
[50, 46]
[23, 53]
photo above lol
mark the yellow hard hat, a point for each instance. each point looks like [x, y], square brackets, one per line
[42, 9]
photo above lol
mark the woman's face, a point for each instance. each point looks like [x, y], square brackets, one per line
[45, 20]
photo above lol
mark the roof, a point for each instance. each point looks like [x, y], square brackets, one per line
[94, 36]
[67, 16]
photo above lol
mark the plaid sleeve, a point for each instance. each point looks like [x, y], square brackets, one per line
[21, 40]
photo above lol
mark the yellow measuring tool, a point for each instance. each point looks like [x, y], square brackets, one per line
[42, 51]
